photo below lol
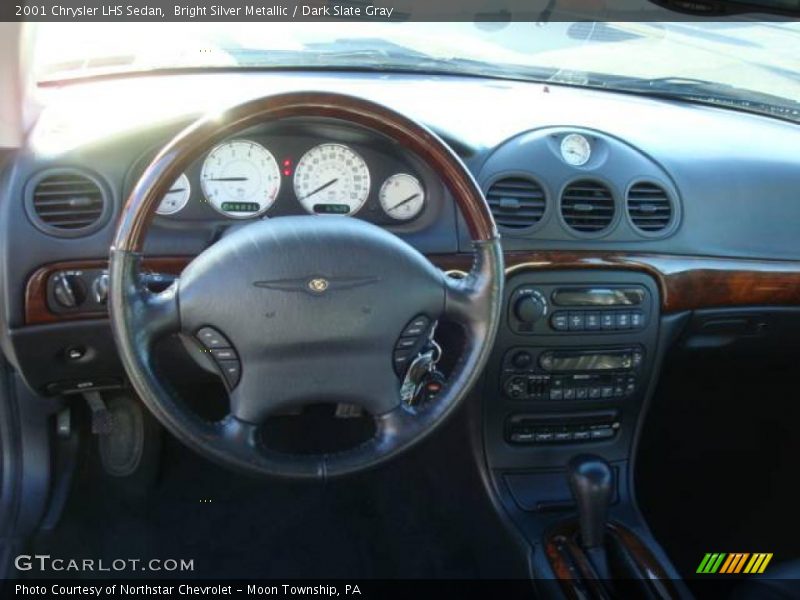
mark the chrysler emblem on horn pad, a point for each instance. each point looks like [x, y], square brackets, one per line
[316, 285]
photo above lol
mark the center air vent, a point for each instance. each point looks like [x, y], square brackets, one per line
[67, 203]
[516, 202]
[649, 207]
[587, 206]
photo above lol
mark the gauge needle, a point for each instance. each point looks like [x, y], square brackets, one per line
[320, 188]
[406, 201]
[176, 190]
[227, 178]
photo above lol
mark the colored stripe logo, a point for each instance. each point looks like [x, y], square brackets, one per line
[734, 562]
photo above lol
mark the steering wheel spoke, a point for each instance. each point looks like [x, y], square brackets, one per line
[468, 299]
[149, 316]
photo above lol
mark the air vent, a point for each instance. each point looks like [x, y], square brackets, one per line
[67, 202]
[587, 206]
[516, 202]
[649, 207]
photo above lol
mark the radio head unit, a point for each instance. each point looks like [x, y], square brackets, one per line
[551, 309]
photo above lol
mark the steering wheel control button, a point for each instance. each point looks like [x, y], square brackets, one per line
[406, 342]
[417, 327]
[211, 338]
[224, 354]
[231, 370]
[411, 341]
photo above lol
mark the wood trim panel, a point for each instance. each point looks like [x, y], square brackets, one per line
[572, 569]
[36, 310]
[685, 282]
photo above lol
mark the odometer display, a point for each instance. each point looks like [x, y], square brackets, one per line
[240, 207]
[240, 178]
[331, 209]
[331, 179]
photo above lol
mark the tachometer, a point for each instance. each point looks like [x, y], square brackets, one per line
[402, 196]
[331, 179]
[240, 178]
[176, 197]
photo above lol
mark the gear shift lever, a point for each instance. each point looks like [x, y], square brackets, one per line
[592, 482]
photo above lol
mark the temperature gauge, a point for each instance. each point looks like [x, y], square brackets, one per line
[402, 197]
[176, 197]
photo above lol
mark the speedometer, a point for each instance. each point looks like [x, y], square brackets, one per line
[240, 179]
[331, 179]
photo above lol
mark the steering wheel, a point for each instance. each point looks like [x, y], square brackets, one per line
[308, 307]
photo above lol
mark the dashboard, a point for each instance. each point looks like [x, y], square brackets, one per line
[629, 225]
[702, 200]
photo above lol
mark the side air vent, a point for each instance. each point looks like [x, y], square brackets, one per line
[516, 202]
[67, 203]
[587, 206]
[649, 207]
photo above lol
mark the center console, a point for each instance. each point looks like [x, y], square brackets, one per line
[574, 364]
[571, 366]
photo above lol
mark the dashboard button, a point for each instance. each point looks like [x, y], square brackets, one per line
[602, 433]
[637, 319]
[563, 436]
[522, 359]
[576, 321]
[556, 394]
[623, 320]
[560, 321]
[608, 320]
[592, 321]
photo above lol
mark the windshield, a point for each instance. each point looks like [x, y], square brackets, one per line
[754, 66]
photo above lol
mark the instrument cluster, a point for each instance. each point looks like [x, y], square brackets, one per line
[261, 174]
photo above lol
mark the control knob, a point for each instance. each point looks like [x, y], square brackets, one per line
[100, 288]
[69, 290]
[522, 359]
[530, 306]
